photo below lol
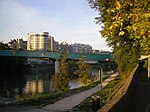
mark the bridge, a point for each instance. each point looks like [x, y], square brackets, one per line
[56, 55]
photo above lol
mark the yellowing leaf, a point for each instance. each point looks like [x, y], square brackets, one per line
[134, 28]
[121, 23]
[118, 5]
[121, 33]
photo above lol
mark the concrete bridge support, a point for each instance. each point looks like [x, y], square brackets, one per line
[56, 66]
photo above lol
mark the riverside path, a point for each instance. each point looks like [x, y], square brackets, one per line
[62, 105]
[70, 102]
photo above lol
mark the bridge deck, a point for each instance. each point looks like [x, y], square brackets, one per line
[56, 55]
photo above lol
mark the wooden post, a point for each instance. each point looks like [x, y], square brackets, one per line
[148, 66]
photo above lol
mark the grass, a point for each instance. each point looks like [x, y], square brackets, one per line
[43, 99]
[107, 93]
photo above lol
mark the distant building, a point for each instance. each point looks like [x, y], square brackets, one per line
[65, 47]
[56, 46]
[95, 51]
[38, 41]
[24, 45]
[81, 48]
[105, 52]
[41, 42]
[70, 49]
[52, 41]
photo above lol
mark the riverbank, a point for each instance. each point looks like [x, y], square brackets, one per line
[26, 108]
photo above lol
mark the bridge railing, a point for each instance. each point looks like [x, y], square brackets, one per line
[56, 55]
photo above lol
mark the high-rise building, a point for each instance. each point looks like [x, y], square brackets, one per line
[52, 43]
[38, 41]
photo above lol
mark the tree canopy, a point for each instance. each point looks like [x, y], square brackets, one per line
[61, 79]
[3, 46]
[83, 71]
[127, 20]
[126, 27]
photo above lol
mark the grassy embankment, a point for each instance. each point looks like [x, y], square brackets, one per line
[107, 93]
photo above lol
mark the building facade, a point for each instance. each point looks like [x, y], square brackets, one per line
[38, 41]
[81, 48]
[65, 47]
[52, 43]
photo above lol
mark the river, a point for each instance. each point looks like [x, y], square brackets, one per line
[34, 80]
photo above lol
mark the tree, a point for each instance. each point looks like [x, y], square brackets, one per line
[83, 71]
[3, 46]
[61, 79]
[126, 27]
[128, 19]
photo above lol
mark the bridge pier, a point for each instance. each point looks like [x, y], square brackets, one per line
[56, 66]
[148, 66]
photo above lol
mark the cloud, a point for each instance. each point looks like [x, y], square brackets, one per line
[18, 20]
[71, 23]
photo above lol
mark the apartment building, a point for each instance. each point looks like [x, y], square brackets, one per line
[81, 48]
[38, 41]
[65, 47]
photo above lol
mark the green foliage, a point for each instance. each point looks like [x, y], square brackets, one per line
[145, 64]
[125, 19]
[61, 79]
[126, 27]
[3, 46]
[83, 71]
[126, 57]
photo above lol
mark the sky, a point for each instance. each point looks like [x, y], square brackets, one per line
[72, 21]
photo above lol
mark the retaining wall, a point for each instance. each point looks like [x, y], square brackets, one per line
[119, 102]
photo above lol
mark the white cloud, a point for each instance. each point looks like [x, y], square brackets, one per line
[18, 19]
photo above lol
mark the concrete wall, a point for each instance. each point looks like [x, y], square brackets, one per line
[149, 66]
[119, 102]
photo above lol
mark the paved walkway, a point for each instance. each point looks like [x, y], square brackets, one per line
[63, 104]
[72, 101]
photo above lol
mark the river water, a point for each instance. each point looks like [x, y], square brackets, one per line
[34, 80]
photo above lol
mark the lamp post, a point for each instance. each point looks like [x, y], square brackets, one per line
[97, 100]
[100, 78]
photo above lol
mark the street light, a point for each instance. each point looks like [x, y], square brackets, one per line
[100, 78]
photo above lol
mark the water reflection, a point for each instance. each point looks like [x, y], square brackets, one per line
[77, 83]
[11, 84]
[35, 80]
[39, 80]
